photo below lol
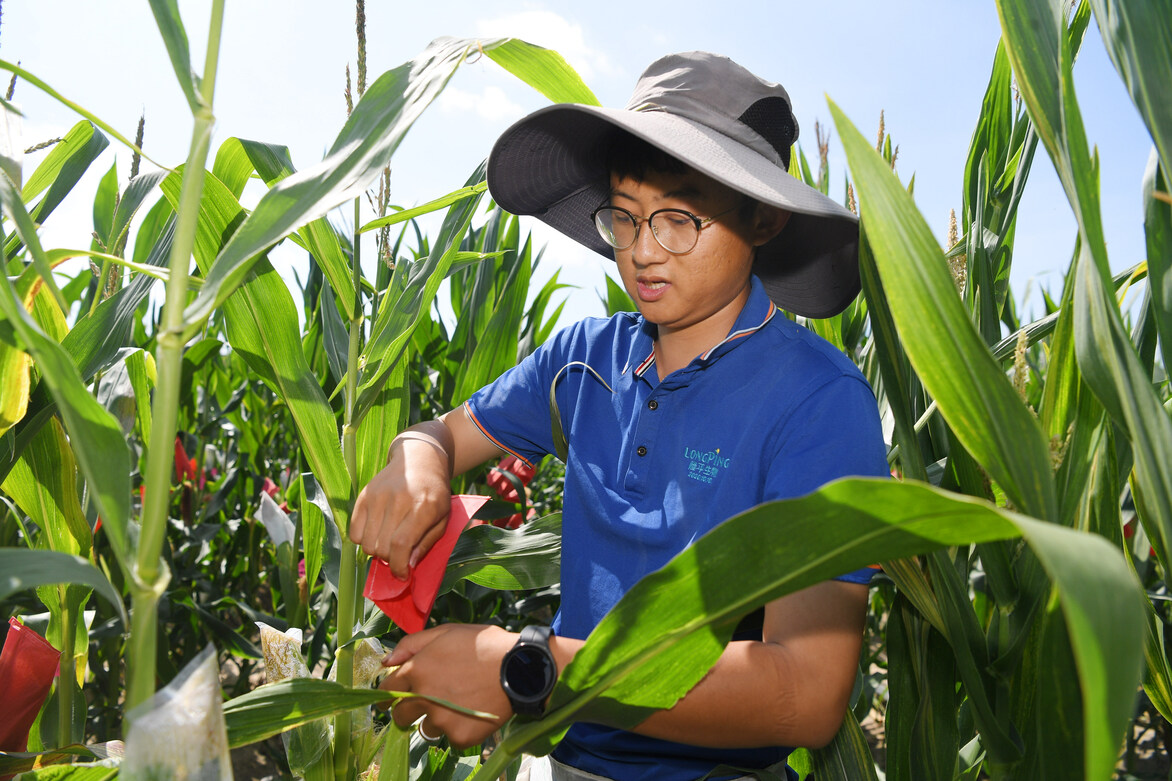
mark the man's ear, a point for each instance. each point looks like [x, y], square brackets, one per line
[768, 221]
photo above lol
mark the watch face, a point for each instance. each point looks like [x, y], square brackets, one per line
[529, 672]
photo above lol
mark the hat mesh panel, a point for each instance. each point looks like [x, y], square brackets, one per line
[770, 118]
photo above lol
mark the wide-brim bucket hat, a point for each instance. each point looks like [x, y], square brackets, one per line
[717, 118]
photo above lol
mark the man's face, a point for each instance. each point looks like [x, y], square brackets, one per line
[703, 290]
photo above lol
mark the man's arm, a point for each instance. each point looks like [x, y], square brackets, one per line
[399, 514]
[790, 689]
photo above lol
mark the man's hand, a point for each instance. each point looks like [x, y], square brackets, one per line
[459, 663]
[400, 513]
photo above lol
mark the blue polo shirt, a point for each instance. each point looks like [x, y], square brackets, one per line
[771, 412]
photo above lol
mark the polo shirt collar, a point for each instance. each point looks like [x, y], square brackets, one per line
[758, 311]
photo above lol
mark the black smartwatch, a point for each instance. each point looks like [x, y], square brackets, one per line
[529, 672]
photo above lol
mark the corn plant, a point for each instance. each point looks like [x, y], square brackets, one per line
[200, 218]
[1016, 626]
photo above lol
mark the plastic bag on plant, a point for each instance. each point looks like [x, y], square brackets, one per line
[307, 744]
[368, 666]
[179, 733]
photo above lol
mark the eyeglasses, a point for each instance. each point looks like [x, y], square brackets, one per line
[676, 230]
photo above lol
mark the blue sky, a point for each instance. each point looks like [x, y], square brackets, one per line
[924, 62]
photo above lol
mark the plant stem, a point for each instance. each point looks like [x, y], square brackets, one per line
[146, 583]
[68, 674]
[348, 575]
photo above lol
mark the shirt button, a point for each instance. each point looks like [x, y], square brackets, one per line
[653, 404]
[642, 450]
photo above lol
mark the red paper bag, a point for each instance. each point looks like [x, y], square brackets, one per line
[409, 602]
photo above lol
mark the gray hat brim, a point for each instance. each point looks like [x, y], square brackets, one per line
[551, 165]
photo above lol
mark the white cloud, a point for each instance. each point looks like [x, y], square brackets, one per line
[553, 31]
[492, 104]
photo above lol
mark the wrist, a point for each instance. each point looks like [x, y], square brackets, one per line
[529, 671]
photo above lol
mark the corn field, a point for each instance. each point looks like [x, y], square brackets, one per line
[184, 431]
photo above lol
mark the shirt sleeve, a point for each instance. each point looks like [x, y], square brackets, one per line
[835, 432]
[513, 410]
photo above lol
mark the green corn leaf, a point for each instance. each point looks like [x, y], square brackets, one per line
[847, 758]
[96, 438]
[82, 111]
[43, 483]
[105, 200]
[383, 422]
[97, 337]
[370, 136]
[1042, 61]
[175, 39]
[1138, 35]
[543, 69]
[399, 316]
[263, 329]
[443, 202]
[1158, 231]
[275, 707]
[129, 202]
[58, 173]
[688, 610]
[893, 365]
[496, 349]
[22, 569]
[318, 237]
[950, 358]
[525, 558]
[83, 772]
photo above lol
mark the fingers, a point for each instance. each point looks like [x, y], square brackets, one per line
[430, 732]
[399, 525]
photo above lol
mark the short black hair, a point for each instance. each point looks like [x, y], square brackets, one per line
[629, 157]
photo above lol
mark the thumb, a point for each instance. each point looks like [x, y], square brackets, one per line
[411, 645]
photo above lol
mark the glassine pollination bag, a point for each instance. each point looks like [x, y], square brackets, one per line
[179, 733]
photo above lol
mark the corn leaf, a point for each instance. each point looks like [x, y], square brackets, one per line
[442, 202]
[43, 483]
[1043, 63]
[893, 365]
[687, 611]
[175, 39]
[60, 171]
[525, 558]
[370, 136]
[275, 707]
[383, 422]
[848, 757]
[543, 69]
[263, 330]
[318, 237]
[414, 287]
[22, 569]
[95, 436]
[32, 78]
[1158, 231]
[950, 358]
[496, 348]
[1138, 35]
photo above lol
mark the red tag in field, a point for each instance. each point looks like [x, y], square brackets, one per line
[408, 602]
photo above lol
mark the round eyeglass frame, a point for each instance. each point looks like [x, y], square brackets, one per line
[698, 222]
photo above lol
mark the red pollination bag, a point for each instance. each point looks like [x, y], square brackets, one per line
[409, 602]
[28, 665]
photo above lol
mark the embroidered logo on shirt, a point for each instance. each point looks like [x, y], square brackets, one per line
[705, 465]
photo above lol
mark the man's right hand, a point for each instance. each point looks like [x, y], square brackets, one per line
[400, 514]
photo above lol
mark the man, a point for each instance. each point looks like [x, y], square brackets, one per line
[704, 404]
